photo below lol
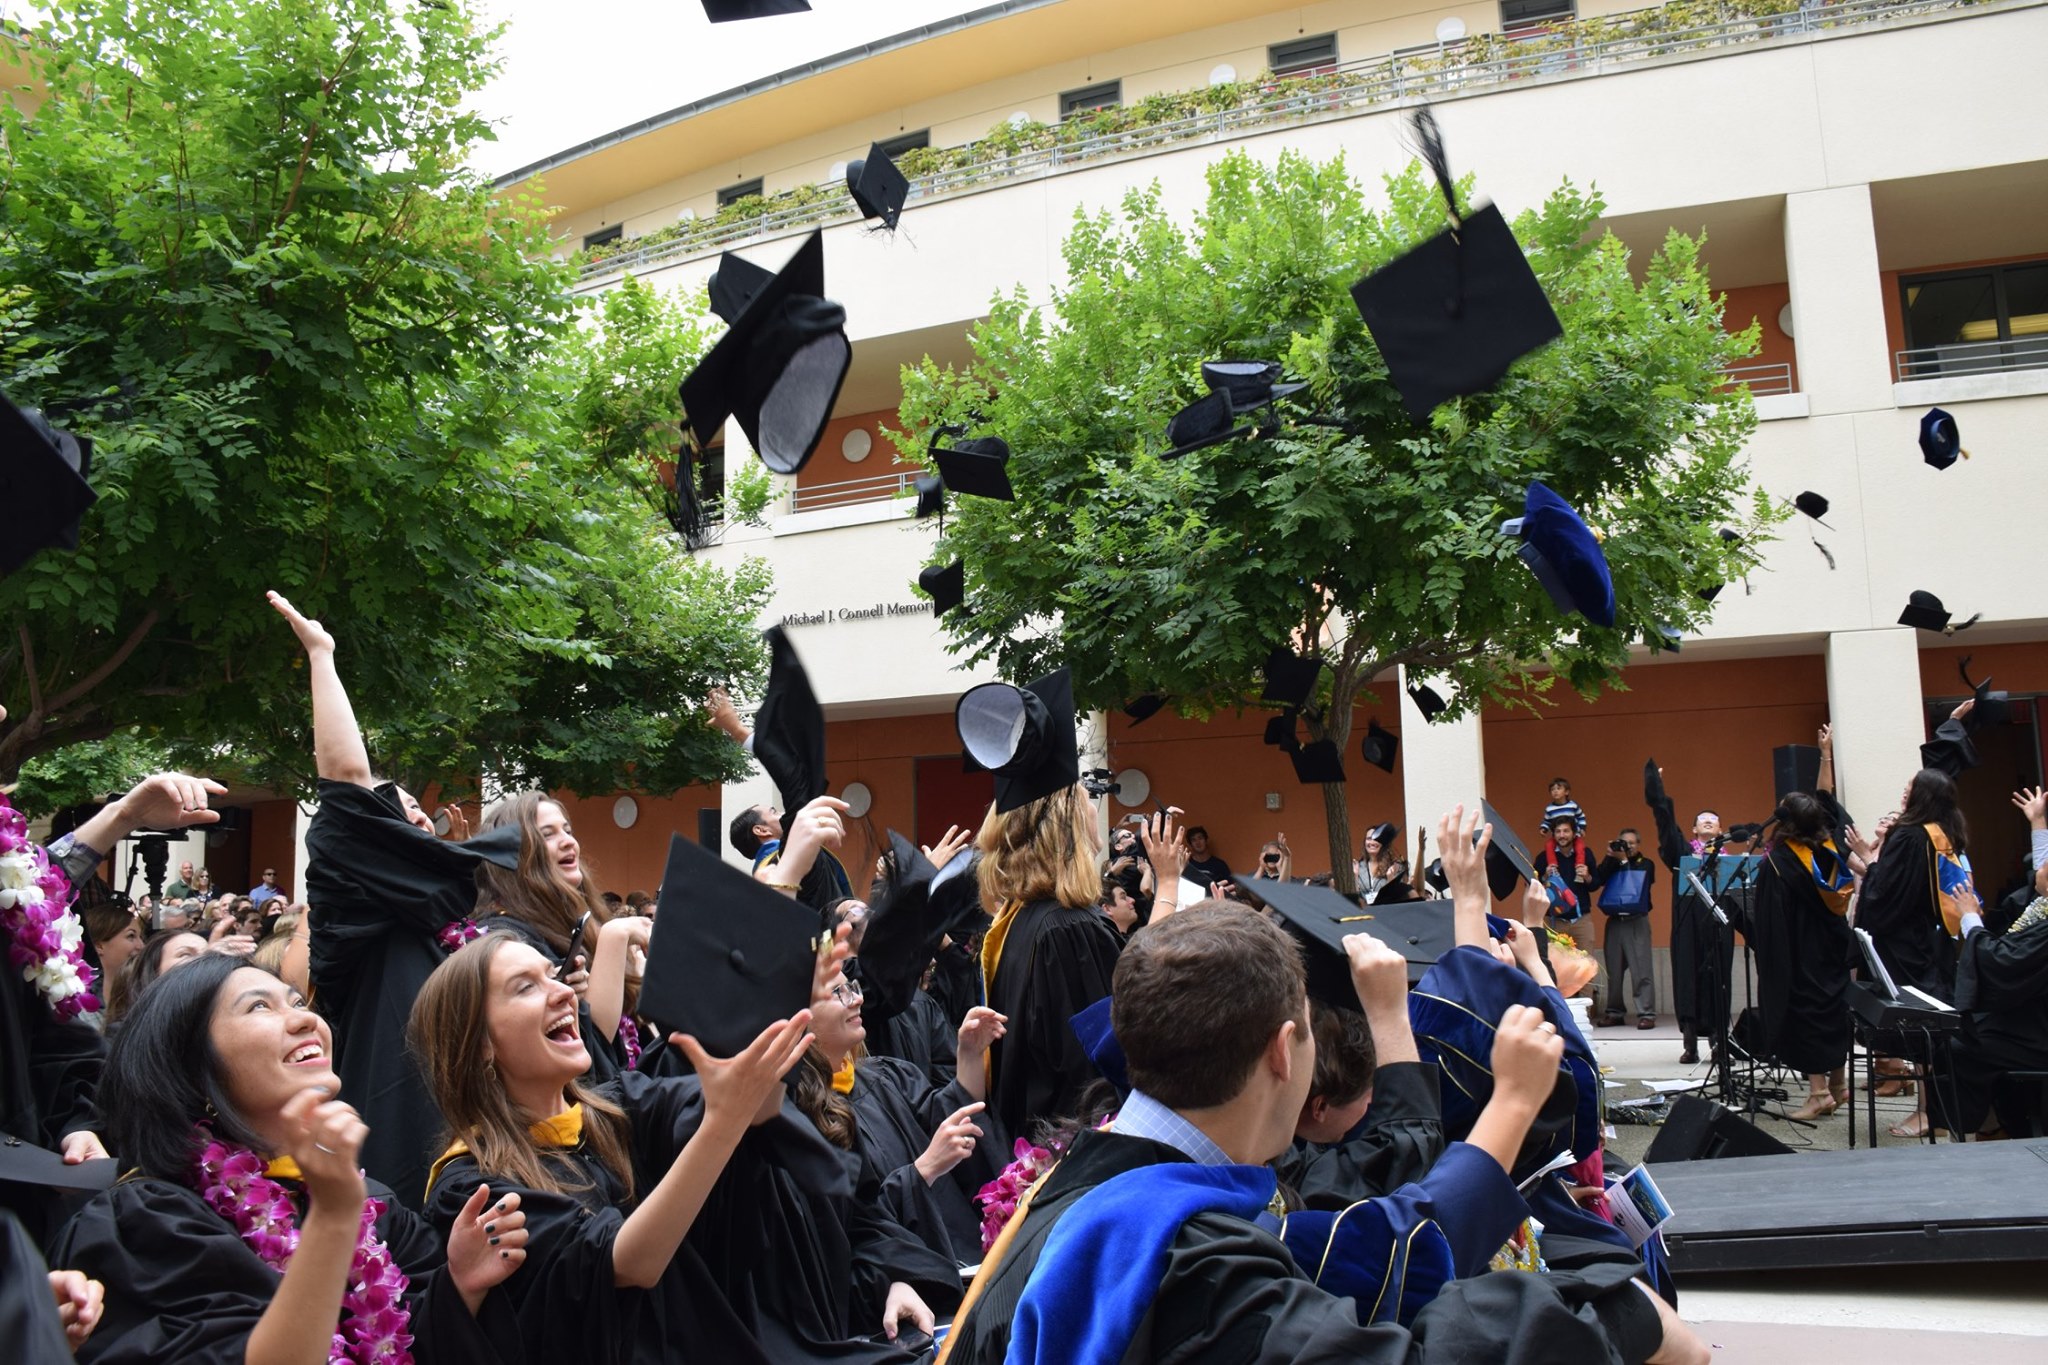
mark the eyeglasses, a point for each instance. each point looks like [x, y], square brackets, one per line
[848, 992]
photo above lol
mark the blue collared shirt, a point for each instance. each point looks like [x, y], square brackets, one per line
[1144, 1117]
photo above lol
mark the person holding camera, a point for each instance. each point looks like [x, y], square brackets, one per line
[1624, 878]
[1129, 869]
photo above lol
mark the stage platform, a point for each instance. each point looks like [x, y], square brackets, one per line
[1980, 1201]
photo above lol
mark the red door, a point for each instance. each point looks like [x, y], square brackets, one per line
[945, 795]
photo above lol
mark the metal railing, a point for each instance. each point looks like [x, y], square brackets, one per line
[846, 492]
[1579, 48]
[1763, 380]
[1970, 357]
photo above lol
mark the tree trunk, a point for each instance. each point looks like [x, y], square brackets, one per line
[1336, 727]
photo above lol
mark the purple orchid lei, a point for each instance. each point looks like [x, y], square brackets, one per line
[457, 932]
[629, 1035]
[45, 940]
[998, 1198]
[375, 1323]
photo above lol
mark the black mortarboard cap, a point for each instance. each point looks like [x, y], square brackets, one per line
[1249, 383]
[1993, 708]
[931, 495]
[1427, 701]
[778, 368]
[1290, 680]
[726, 11]
[956, 896]
[23, 1163]
[1025, 735]
[1379, 746]
[1814, 505]
[1144, 708]
[946, 583]
[728, 957]
[43, 473]
[1280, 729]
[900, 938]
[1940, 441]
[734, 283]
[977, 467]
[1508, 862]
[1318, 763]
[789, 728]
[1320, 919]
[877, 186]
[1924, 611]
[1206, 422]
[1451, 316]
[1562, 551]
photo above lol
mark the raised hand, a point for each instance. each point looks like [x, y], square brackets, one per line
[458, 822]
[1526, 1054]
[2033, 803]
[1526, 953]
[170, 801]
[1166, 847]
[313, 637]
[1827, 739]
[1535, 903]
[1378, 974]
[981, 1027]
[718, 705]
[818, 826]
[952, 1144]
[948, 847]
[486, 1245]
[1464, 860]
[738, 1089]
[325, 1137]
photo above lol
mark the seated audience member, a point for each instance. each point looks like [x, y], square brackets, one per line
[1204, 868]
[2002, 989]
[1151, 1241]
[1116, 903]
[245, 1231]
[1129, 867]
[184, 886]
[1276, 862]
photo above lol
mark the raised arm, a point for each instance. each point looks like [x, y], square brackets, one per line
[159, 801]
[338, 752]
[1465, 869]
[606, 994]
[1672, 845]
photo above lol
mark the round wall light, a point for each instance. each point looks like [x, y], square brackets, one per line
[1133, 788]
[856, 444]
[1223, 73]
[625, 812]
[859, 800]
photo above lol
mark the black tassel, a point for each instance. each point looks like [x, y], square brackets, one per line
[1963, 625]
[1430, 144]
[1825, 553]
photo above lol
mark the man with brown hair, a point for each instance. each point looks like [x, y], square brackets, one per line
[1152, 1241]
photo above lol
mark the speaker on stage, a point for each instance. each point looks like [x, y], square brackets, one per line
[1701, 1130]
[1795, 768]
[708, 827]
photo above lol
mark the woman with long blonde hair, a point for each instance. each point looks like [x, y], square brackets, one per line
[1047, 955]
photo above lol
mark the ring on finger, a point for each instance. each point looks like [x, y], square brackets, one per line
[323, 1147]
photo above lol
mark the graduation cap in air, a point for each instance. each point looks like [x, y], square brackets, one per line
[1290, 680]
[1993, 708]
[729, 956]
[1143, 708]
[1383, 834]
[43, 473]
[1663, 637]
[1024, 735]
[1280, 730]
[931, 495]
[1814, 505]
[976, 467]
[1924, 611]
[1561, 550]
[1732, 537]
[789, 728]
[1320, 919]
[1508, 862]
[1379, 746]
[1318, 763]
[779, 366]
[1940, 441]
[726, 11]
[946, 584]
[1427, 701]
[900, 939]
[733, 284]
[1453, 314]
[877, 186]
[1236, 388]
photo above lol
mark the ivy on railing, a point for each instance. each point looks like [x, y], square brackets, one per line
[1012, 148]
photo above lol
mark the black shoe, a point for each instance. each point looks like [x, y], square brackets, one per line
[1689, 1057]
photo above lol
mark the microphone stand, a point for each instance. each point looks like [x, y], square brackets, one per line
[1718, 1039]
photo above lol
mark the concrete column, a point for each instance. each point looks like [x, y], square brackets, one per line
[1095, 754]
[1875, 706]
[1442, 764]
[302, 818]
[1837, 300]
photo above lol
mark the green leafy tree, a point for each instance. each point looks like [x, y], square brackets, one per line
[1370, 538]
[242, 248]
[82, 774]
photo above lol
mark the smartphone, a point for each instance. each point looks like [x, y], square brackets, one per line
[568, 962]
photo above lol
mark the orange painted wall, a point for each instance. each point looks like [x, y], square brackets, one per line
[2016, 668]
[632, 859]
[1894, 305]
[1711, 726]
[272, 826]
[1221, 770]
[827, 465]
[1760, 303]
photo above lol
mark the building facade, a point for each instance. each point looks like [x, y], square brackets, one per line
[1872, 179]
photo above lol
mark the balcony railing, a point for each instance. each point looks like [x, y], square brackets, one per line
[1579, 48]
[1763, 380]
[845, 492]
[1970, 357]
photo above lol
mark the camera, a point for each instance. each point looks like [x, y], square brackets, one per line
[1616, 846]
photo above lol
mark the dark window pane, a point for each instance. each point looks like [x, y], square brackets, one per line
[2026, 300]
[1944, 312]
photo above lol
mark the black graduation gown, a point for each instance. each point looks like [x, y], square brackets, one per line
[382, 891]
[183, 1289]
[1231, 1291]
[898, 1108]
[28, 1315]
[920, 1035]
[49, 1069]
[1402, 1137]
[1055, 963]
[1702, 948]
[1899, 909]
[1802, 968]
[2002, 987]
[956, 983]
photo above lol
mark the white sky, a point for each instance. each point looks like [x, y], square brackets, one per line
[575, 69]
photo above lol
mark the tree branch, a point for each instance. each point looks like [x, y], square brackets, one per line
[35, 684]
[113, 661]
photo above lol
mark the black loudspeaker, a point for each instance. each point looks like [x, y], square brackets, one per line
[708, 827]
[1795, 768]
[1701, 1130]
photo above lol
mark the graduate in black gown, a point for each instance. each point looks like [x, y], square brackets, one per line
[2002, 989]
[1800, 932]
[1899, 906]
[1154, 1240]
[391, 902]
[242, 1234]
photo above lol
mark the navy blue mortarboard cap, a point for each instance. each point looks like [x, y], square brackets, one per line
[1940, 442]
[1566, 558]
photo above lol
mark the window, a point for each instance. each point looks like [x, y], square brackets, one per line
[893, 147]
[603, 235]
[1107, 95]
[734, 193]
[1519, 15]
[1956, 318]
[1303, 56]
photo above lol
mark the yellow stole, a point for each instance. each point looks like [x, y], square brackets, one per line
[1835, 891]
[842, 1079]
[992, 944]
[563, 1130]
